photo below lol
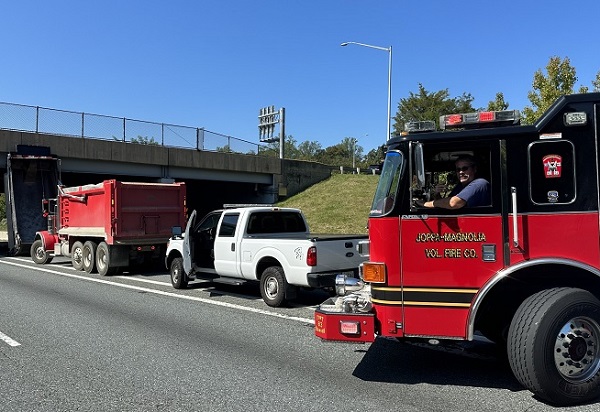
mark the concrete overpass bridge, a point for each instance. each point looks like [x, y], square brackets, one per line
[212, 177]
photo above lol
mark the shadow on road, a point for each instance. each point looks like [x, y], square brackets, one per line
[305, 296]
[476, 364]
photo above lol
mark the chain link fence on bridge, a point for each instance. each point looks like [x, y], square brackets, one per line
[35, 119]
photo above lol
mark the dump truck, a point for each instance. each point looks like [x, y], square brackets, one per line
[106, 227]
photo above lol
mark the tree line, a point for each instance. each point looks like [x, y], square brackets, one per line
[559, 79]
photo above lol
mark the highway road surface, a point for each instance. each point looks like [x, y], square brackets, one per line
[70, 341]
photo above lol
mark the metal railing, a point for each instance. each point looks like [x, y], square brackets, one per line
[36, 119]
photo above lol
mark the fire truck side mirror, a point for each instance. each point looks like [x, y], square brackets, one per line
[419, 166]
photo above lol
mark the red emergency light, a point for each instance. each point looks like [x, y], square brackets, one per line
[480, 119]
[454, 119]
[487, 116]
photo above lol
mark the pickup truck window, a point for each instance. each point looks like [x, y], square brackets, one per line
[275, 222]
[228, 225]
[209, 222]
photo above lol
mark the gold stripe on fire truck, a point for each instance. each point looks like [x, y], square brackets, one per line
[451, 297]
[440, 290]
[434, 304]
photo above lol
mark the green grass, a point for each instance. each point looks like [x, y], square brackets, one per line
[338, 205]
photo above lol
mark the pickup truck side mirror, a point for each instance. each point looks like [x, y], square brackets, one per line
[176, 231]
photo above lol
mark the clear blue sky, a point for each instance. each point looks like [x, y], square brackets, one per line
[214, 64]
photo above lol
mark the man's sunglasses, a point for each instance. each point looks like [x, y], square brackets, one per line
[462, 169]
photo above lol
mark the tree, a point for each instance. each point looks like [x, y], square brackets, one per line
[145, 140]
[309, 150]
[374, 157]
[339, 154]
[596, 82]
[498, 104]
[139, 140]
[224, 149]
[429, 106]
[290, 149]
[559, 80]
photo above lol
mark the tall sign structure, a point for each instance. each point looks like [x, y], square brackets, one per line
[268, 117]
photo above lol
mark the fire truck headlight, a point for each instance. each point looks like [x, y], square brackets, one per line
[345, 285]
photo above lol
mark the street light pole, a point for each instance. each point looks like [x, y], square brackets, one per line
[353, 154]
[389, 102]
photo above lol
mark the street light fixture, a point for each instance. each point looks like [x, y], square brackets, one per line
[389, 103]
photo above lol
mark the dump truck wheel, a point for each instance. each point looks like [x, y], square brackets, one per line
[103, 263]
[39, 254]
[77, 255]
[88, 253]
[273, 286]
[553, 345]
[179, 279]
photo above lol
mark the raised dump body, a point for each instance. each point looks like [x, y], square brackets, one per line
[107, 226]
[31, 176]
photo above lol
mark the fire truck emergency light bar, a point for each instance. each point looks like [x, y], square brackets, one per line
[419, 126]
[479, 119]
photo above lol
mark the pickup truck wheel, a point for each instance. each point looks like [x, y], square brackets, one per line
[88, 254]
[39, 254]
[273, 286]
[553, 345]
[179, 279]
[77, 255]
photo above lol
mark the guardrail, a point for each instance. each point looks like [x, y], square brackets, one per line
[36, 119]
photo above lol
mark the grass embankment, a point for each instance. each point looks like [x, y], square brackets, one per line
[338, 205]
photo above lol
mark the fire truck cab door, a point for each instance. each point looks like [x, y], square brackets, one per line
[448, 255]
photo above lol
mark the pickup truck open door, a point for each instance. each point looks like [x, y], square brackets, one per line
[188, 249]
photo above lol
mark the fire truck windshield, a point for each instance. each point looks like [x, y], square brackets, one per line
[385, 195]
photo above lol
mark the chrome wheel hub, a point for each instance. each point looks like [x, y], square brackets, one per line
[576, 353]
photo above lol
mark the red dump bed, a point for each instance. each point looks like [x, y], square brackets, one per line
[123, 212]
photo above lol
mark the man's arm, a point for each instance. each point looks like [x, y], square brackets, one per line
[453, 202]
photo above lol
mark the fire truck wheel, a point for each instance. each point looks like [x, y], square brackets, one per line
[77, 255]
[39, 254]
[553, 345]
[273, 286]
[103, 263]
[88, 254]
[179, 279]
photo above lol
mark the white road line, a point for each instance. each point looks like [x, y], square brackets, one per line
[157, 282]
[199, 289]
[153, 282]
[162, 293]
[10, 341]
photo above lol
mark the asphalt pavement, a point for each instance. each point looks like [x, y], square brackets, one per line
[77, 341]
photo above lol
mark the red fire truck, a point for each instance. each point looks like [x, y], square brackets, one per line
[522, 270]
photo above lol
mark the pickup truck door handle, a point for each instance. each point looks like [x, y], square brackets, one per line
[233, 247]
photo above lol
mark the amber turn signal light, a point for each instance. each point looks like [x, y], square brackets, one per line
[373, 272]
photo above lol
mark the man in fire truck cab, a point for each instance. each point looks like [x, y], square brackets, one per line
[471, 191]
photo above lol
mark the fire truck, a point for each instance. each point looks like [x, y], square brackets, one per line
[522, 270]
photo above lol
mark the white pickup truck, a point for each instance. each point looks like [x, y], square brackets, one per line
[264, 244]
